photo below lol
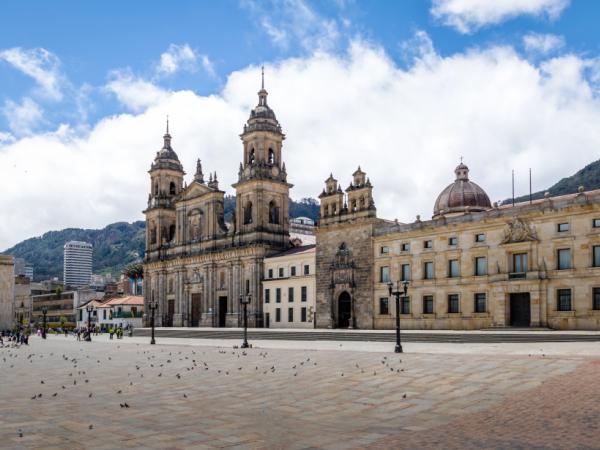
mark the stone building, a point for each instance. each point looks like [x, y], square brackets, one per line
[344, 255]
[289, 288]
[474, 265]
[196, 266]
[7, 291]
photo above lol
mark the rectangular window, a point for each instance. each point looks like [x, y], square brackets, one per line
[453, 241]
[520, 262]
[480, 237]
[306, 269]
[104, 314]
[453, 268]
[453, 304]
[596, 223]
[428, 244]
[290, 314]
[384, 250]
[596, 256]
[303, 314]
[384, 306]
[81, 315]
[405, 247]
[277, 314]
[290, 294]
[428, 270]
[247, 286]
[428, 304]
[480, 266]
[596, 299]
[563, 227]
[281, 272]
[384, 274]
[564, 299]
[267, 295]
[564, 258]
[404, 305]
[303, 294]
[405, 272]
[278, 295]
[293, 271]
[270, 273]
[480, 303]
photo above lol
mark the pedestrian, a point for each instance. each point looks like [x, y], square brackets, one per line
[111, 331]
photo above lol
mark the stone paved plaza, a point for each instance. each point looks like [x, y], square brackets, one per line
[65, 394]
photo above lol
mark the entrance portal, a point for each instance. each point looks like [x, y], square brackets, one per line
[344, 310]
[195, 310]
[520, 310]
[222, 312]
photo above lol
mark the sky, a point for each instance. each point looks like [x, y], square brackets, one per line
[403, 89]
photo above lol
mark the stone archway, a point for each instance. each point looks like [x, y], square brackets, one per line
[344, 310]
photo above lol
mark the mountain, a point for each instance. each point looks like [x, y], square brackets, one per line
[115, 246]
[588, 177]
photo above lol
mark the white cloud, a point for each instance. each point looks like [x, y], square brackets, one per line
[542, 43]
[467, 16]
[22, 117]
[294, 21]
[135, 93]
[208, 66]
[39, 64]
[406, 126]
[177, 57]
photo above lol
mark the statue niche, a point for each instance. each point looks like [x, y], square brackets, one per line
[195, 225]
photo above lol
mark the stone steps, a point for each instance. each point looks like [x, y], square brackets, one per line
[358, 335]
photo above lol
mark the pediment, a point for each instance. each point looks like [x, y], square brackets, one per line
[194, 190]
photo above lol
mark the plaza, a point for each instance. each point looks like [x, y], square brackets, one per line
[196, 393]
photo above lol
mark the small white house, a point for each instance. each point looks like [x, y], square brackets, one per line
[118, 311]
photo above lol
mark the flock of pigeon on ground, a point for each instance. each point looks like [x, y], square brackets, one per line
[158, 363]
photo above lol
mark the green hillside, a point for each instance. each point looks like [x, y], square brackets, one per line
[115, 246]
[588, 177]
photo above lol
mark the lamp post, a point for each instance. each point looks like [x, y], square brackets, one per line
[89, 309]
[245, 300]
[153, 305]
[44, 312]
[397, 293]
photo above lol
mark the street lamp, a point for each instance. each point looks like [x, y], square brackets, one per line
[44, 312]
[397, 293]
[89, 308]
[153, 305]
[244, 300]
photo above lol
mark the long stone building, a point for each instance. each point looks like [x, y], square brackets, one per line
[197, 266]
[473, 265]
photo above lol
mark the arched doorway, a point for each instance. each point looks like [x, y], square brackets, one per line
[344, 310]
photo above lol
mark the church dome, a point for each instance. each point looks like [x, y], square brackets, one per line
[166, 158]
[262, 117]
[460, 196]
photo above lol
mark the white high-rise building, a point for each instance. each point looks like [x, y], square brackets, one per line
[78, 263]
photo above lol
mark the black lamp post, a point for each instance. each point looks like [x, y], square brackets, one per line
[245, 300]
[44, 312]
[397, 293]
[89, 309]
[153, 305]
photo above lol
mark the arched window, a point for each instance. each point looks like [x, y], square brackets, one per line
[251, 157]
[273, 213]
[155, 188]
[271, 156]
[334, 209]
[248, 213]
[222, 280]
[353, 205]
[171, 233]
[152, 235]
[172, 188]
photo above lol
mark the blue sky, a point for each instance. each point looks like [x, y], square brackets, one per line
[411, 84]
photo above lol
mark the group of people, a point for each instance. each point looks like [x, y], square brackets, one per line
[14, 338]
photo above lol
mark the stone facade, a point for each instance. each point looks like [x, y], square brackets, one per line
[197, 266]
[7, 292]
[344, 255]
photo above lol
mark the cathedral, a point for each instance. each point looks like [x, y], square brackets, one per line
[197, 266]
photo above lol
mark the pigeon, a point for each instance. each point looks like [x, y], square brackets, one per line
[91, 426]
[90, 396]
[184, 396]
[55, 394]
[403, 395]
[119, 391]
[42, 382]
[20, 432]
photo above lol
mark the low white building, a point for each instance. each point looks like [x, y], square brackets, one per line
[289, 289]
[118, 311]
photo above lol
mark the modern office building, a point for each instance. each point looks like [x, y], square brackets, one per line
[77, 263]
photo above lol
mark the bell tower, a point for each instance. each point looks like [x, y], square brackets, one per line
[166, 183]
[262, 190]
